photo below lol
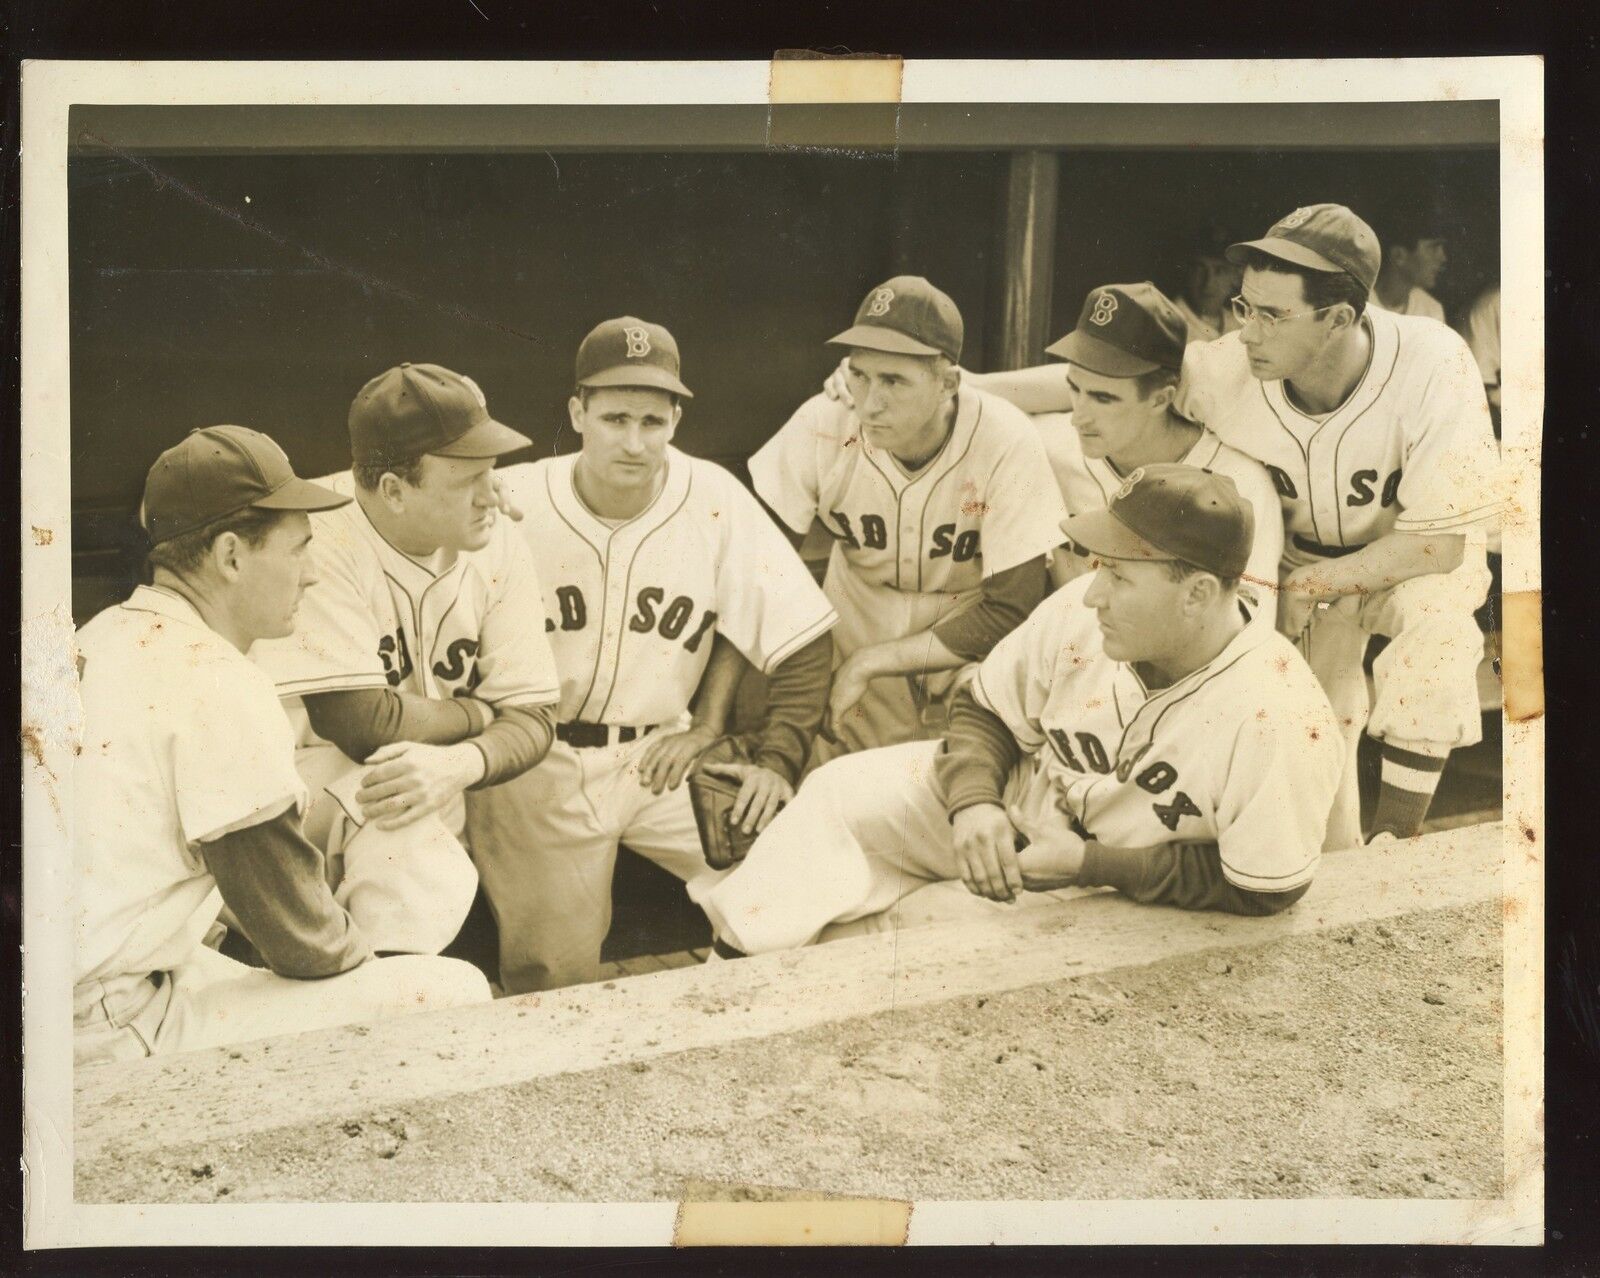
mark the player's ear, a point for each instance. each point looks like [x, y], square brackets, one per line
[1202, 590]
[392, 491]
[949, 377]
[575, 413]
[226, 552]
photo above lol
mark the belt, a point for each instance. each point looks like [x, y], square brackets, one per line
[1327, 552]
[589, 736]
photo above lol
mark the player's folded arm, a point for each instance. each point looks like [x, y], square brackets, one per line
[797, 698]
[1008, 597]
[1189, 876]
[518, 739]
[361, 720]
[272, 879]
[978, 756]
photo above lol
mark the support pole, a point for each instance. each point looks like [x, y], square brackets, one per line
[1027, 258]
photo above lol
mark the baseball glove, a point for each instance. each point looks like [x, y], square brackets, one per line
[712, 799]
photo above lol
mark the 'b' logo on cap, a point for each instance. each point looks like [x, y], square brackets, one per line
[1105, 306]
[638, 342]
[880, 302]
[1298, 218]
[1128, 484]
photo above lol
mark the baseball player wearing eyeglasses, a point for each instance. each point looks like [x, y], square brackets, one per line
[420, 667]
[940, 503]
[1136, 732]
[186, 796]
[649, 560]
[1376, 432]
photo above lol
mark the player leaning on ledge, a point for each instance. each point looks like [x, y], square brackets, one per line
[1135, 732]
[186, 794]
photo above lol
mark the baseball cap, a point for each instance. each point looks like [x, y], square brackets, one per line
[906, 316]
[218, 471]
[1171, 511]
[1124, 330]
[630, 352]
[1323, 237]
[414, 409]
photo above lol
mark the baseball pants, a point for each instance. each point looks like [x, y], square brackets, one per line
[211, 1000]
[546, 847]
[861, 834]
[409, 889]
[900, 707]
[1425, 682]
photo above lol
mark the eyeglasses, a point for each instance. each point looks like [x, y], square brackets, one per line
[1244, 313]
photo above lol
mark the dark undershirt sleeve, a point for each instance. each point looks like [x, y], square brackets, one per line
[1186, 875]
[797, 696]
[979, 753]
[362, 720]
[273, 880]
[1008, 598]
[518, 739]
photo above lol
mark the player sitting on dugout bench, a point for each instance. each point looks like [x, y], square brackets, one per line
[1136, 732]
[186, 796]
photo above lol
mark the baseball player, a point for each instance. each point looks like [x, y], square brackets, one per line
[1135, 732]
[1123, 362]
[186, 795]
[1375, 431]
[647, 557]
[940, 504]
[420, 667]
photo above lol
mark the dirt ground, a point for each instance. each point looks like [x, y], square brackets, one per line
[1356, 1063]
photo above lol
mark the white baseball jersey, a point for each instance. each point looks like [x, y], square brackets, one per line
[377, 618]
[986, 503]
[184, 740]
[1410, 450]
[1089, 483]
[632, 610]
[1244, 752]
[1418, 302]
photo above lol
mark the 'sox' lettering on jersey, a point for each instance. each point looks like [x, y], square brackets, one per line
[960, 549]
[456, 657]
[1361, 492]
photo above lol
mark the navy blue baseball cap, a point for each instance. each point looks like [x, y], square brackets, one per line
[415, 409]
[1125, 330]
[906, 316]
[1320, 237]
[631, 352]
[218, 471]
[1171, 511]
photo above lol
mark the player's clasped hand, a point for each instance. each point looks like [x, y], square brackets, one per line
[1051, 861]
[502, 501]
[409, 779]
[986, 847]
[761, 793]
[671, 756]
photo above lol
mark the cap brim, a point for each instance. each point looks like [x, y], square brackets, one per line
[1099, 357]
[1284, 250]
[301, 494]
[1099, 532]
[644, 376]
[487, 439]
[872, 338]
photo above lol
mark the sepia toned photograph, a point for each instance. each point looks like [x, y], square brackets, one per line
[780, 658]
